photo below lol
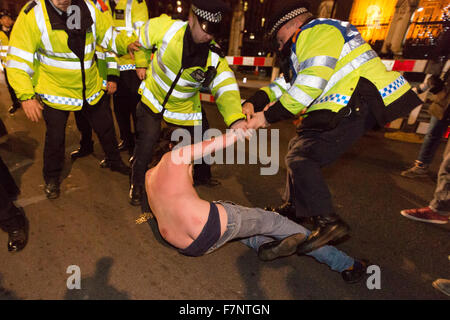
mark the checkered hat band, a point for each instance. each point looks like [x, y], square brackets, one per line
[206, 15]
[287, 17]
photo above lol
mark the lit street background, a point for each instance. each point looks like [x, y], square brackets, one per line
[92, 226]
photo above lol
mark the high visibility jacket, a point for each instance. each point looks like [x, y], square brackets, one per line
[328, 57]
[58, 71]
[183, 106]
[107, 62]
[129, 15]
[3, 47]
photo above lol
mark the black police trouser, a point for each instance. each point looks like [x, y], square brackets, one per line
[126, 99]
[99, 117]
[148, 133]
[11, 217]
[313, 149]
[86, 142]
[14, 99]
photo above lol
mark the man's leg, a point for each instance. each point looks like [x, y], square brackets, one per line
[86, 143]
[54, 149]
[100, 118]
[148, 131]
[441, 200]
[15, 101]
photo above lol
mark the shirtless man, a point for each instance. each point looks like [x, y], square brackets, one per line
[197, 227]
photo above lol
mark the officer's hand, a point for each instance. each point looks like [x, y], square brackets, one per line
[248, 109]
[258, 121]
[141, 73]
[111, 87]
[33, 109]
[132, 47]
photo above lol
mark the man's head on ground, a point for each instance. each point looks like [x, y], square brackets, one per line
[62, 4]
[288, 17]
[6, 19]
[205, 19]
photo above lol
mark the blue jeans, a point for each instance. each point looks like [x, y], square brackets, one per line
[255, 226]
[430, 144]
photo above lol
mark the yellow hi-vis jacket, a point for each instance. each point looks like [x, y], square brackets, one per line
[58, 73]
[129, 15]
[328, 57]
[3, 47]
[183, 106]
[107, 62]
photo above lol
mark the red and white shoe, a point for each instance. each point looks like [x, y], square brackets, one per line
[425, 215]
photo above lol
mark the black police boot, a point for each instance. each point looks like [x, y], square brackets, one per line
[122, 146]
[14, 108]
[120, 166]
[17, 231]
[280, 248]
[135, 195]
[51, 189]
[104, 164]
[81, 152]
[328, 228]
[286, 209]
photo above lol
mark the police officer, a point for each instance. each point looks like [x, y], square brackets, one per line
[67, 77]
[186, 59]
[338, 82]
[6, 23]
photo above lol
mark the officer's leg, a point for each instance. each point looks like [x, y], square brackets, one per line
[100, 118]
[54, 148]
[12, 93]
[86, 143]
[148, 131]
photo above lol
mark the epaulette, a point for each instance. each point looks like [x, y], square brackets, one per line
[30, 6]
[216, 49]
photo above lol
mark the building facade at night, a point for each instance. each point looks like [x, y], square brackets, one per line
[407, 27]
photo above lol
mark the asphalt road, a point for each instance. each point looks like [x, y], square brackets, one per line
[92, 226]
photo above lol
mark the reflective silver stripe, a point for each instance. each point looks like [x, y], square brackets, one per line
[182, 116]
[110, 55]
[175, 93]
[171, 75]
[71, 65]
[348, 68]
[150, 97]
[100, 55]
[138, 24]
[300, 95]
[112, 65]
[94, 18]
[276, 90]
[214, 59]
[282, 83]
[68, 55]
[4, 48]
[222, 77]
[40, 20]
[147, 39]
[128, 22]
[174, 28]
[311, 81]
[113, 41]
[295, 62]
[222, 90]
[62, 100]
[324, 61]
[351, 45]
[20, 65]
[3, 54]
[107, 37]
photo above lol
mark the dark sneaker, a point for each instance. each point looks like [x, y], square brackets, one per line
[280, 248]
[443, 285]
[120, 167]
[330, 228]
[419, 170]
[356, 272]
[52, 190]
[424, 215]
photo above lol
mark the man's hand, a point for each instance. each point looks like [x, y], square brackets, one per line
[248, 109]
[33, 109]
[241, 124]
[132, 47]
[258, 121]
[111, 87]
[141, 73]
